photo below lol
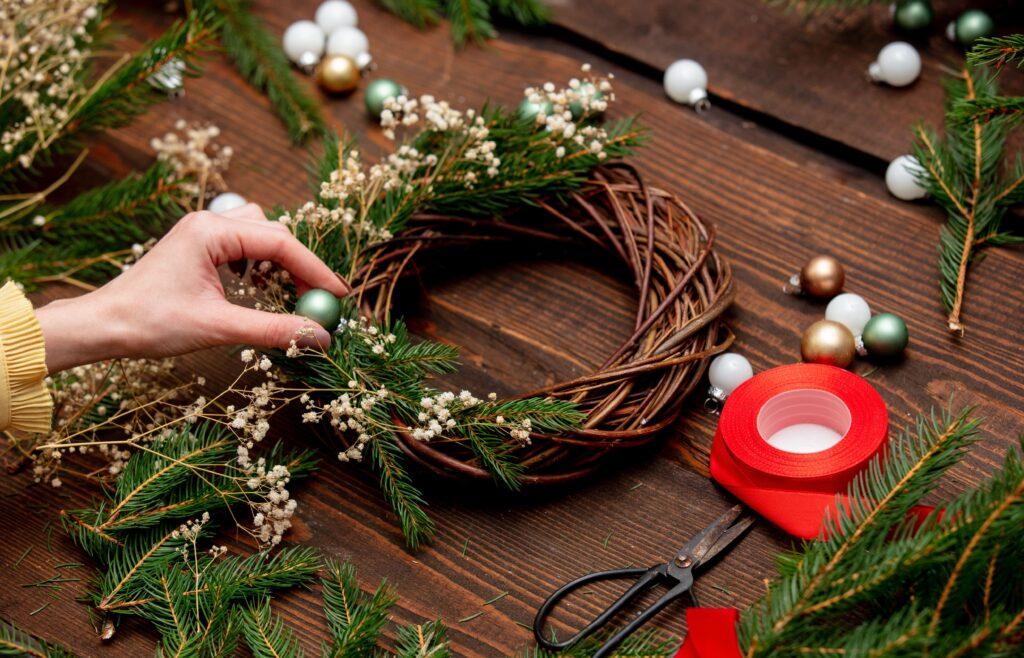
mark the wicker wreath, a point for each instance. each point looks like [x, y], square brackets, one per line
[683, 287]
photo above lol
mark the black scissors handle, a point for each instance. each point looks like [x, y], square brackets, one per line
[644, 579]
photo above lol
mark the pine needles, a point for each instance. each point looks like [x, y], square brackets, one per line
[957, 571]
[471, 20]
[16, 642]
[965, 174]
[259, 58]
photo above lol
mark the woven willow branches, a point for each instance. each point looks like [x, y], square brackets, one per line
[682, 287]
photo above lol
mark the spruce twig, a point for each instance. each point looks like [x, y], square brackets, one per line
[964, 174]
[260, 60]
[471, 20]
[16, 642]
[828, 601]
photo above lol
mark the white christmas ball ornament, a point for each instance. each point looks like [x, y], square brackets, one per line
[686, 81]
[898, 64]
[303, 43]
[727, 372]
[901, 178]
[348, 41]
[850, 310]
[334, 14]
[225, 202]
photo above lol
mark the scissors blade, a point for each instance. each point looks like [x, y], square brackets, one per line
[728, 537]
[712, 539]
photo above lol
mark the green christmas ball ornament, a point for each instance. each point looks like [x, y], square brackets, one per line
[321, 307]
[576, 107]
[970, 26]
[528, 110]
[885, 336]
[913, 15]
[377, 92]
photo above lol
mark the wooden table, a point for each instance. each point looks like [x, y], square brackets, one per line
[787, 164]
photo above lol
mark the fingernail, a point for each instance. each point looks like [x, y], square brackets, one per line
[313, 336]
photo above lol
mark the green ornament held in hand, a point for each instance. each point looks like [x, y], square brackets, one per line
[321, 307]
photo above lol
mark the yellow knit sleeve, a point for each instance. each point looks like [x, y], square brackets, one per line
[25, 404]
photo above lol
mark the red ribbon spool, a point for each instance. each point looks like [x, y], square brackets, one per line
[794, 490]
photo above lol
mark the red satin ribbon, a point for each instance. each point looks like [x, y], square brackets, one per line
[710, 633]
[795, 491]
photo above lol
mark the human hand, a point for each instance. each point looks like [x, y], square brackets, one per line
[171, 301]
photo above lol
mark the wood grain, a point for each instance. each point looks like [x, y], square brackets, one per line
[804, 74]
[523, 319]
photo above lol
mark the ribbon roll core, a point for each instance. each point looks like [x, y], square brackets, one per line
[791, 438]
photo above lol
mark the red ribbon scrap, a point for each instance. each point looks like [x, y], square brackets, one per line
[792, 490]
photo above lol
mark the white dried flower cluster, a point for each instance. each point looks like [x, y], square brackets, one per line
[273, 512]
[476, 148]
[191, 530]
[106, 408]
[314, 216]
[519, 431]
[251, 421]
[437, 414]
[46, 52]
[566, 128]
[195, 158]
[369, 334]
[349, 412]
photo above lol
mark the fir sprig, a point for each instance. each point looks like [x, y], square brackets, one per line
[997, 52]
[16, 642]
[964, 173]
[259, 58]
[471, 20]
[150, 560]
[953, 568]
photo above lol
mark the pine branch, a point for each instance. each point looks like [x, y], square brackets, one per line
[260, 60]
[997, 51]
[420, 13]
[835, 598]
[429, 640]
[963, 174]
[16, 642]
[403, 496]
[471, 20]
[266, 634]
[354, 619]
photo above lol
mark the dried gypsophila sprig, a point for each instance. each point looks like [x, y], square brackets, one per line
[46, 50]
[103, 410]
[196, 158]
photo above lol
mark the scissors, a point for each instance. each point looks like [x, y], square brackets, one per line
[677, 574]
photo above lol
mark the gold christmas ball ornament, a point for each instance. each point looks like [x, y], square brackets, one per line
[829, 343]
[337, 74]
[822, 276]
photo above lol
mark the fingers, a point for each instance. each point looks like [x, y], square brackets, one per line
[238, 324]
[234, 238]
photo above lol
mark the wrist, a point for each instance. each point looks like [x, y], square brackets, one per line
[80, 330]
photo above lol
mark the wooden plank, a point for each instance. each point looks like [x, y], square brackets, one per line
[804, 75]
[773, 210]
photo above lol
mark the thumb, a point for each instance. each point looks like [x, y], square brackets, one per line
[270, 330]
